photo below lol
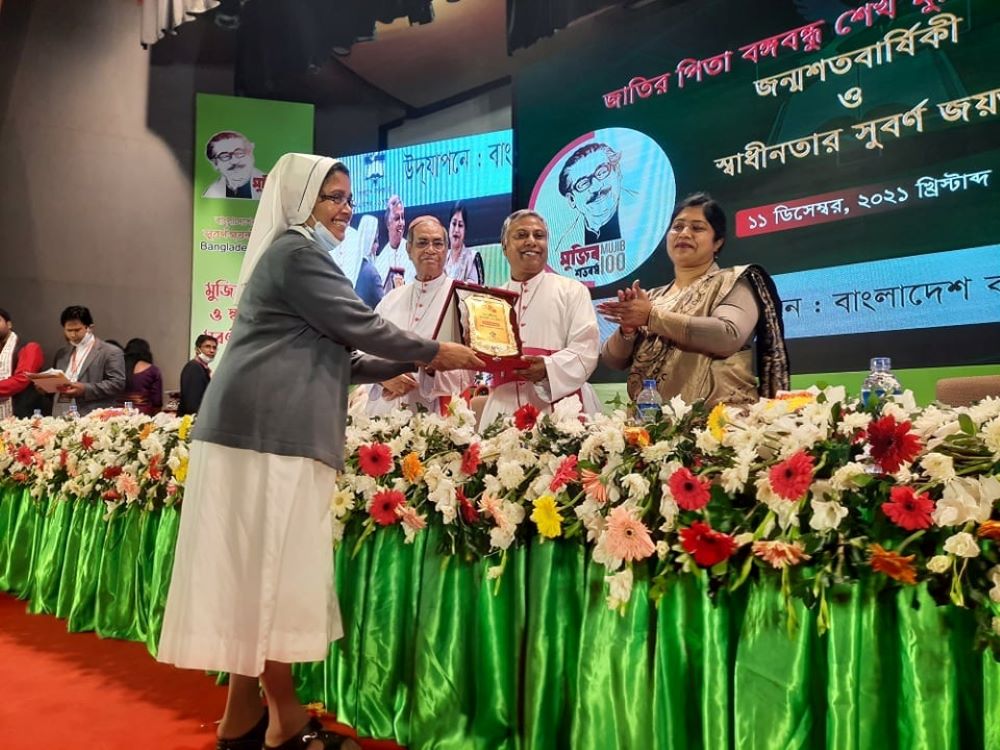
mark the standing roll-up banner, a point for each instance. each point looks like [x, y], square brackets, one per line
[237, 141]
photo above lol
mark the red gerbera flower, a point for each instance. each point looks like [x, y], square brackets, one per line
[707, 546]
[155, 473]
[469, 513]
[565, 474]
[791, 478]
[63, 458]
[111, 472]
[25, 455]
[892, 444]
[690, 492]
[907, 509]
[525, 417]
[375, 459]
[87, 441]
[470, 459]
[383, 507]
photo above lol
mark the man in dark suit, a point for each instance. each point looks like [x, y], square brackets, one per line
[96, 367]
[196, 375]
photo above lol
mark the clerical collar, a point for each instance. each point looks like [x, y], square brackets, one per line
[436, 281]
[528, 282]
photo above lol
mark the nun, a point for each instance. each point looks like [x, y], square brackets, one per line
[252, 586]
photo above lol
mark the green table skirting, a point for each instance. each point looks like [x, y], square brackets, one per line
[434, 656]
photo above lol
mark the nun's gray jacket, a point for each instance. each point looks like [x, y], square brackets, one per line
[281, 386]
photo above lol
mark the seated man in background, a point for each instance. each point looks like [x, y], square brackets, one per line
[416, 307]
[17, 358]
[558, 327]
[196, 375]
[96, 368]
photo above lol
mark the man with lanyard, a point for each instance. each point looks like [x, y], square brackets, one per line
[96, 368]
[558, 327]
[17, 358]
[196, 375]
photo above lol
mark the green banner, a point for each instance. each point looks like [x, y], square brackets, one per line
[236, 142]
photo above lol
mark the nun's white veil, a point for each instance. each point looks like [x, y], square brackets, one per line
[287, 200]
[367, 231]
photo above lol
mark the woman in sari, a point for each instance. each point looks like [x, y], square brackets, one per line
[694, 336]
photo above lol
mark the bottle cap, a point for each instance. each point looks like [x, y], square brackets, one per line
[649, 383]
[881, 364]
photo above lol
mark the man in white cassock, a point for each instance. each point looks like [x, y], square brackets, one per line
[558, 327]
[417, 307]
[392, 262]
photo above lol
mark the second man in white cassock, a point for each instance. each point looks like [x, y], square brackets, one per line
[417, 307]
[558, 327]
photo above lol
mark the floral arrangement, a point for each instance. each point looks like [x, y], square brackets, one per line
[112, 455]
[812, 489]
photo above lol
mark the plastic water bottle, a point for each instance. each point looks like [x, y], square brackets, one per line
[880, 381]
[36, 414]
[73, 412]
[129, 407]
[649, 403]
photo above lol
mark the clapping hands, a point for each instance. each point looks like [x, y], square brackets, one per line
[630, 311]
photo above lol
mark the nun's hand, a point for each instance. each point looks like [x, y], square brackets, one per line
[455, 357]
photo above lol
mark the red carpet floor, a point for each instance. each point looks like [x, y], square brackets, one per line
[75, 690]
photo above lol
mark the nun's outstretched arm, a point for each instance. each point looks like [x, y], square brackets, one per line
[325, 299]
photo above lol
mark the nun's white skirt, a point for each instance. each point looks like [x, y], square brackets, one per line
[253, 570]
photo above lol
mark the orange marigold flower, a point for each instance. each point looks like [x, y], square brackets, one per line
[637, 436]
[412, 467]
[897, 567]
[989, 530]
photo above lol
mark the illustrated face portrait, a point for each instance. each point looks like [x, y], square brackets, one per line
[595, 186]
[233, 159]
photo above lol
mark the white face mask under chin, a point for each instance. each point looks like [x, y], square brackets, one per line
[205, 358]
[323, 235]
[82, 342]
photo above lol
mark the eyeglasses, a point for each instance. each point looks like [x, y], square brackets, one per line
[225, 156]
[601, 173]
[424, 243]
[337, 199]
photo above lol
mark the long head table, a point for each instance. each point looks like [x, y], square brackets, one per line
[437, 657]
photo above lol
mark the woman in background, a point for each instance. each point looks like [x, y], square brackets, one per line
[143, 379]
[462, 263]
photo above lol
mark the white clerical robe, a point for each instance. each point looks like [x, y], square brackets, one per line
[555, 314]
[395, 258]
[416, 307]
